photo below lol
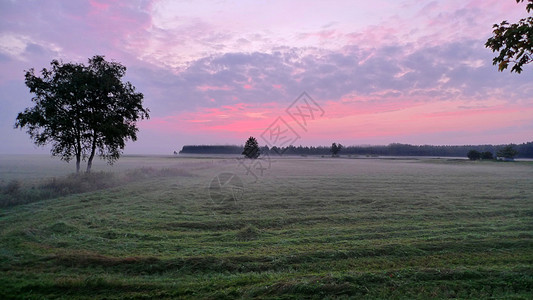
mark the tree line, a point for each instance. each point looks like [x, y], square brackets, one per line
[525, 150]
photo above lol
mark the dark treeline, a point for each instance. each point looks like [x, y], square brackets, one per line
[525, 150]
[212, 149]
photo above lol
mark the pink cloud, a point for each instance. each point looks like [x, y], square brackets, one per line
[321, 35]
[353, 122]
[230, 118]
[205, 87]
[99, 6]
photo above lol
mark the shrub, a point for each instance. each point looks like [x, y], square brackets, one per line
[486, 155]
[473, 155]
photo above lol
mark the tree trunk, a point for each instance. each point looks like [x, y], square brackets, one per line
[78, 147]
[78, 160]
[93, 150]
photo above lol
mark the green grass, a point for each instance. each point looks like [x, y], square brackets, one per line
[309, 228]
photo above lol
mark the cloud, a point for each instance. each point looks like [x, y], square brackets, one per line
[224, 69]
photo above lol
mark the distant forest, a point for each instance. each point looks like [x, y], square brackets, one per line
[525, 150]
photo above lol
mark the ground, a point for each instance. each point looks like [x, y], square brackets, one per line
[308, 227]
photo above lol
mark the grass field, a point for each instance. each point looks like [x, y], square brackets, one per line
[308, 228]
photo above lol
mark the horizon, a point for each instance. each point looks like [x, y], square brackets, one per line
[44, 151]
[408, 72]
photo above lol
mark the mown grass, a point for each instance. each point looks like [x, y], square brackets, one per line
[309, 228]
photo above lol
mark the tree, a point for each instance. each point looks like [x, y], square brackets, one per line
[80, 109]
[251, 148]
[514, 42]
[486, 155]
[473, 155]
[507, 152]
[335, 149]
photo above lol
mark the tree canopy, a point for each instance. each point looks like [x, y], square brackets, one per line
[514, 42]
[251, 148]
[335, 149]
[473, 155]
[82, 109]
[507, 152]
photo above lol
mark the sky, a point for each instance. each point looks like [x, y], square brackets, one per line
[287, 72]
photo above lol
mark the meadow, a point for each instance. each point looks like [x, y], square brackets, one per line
[309, 227]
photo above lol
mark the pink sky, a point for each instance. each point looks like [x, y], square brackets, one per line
[217, 72]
